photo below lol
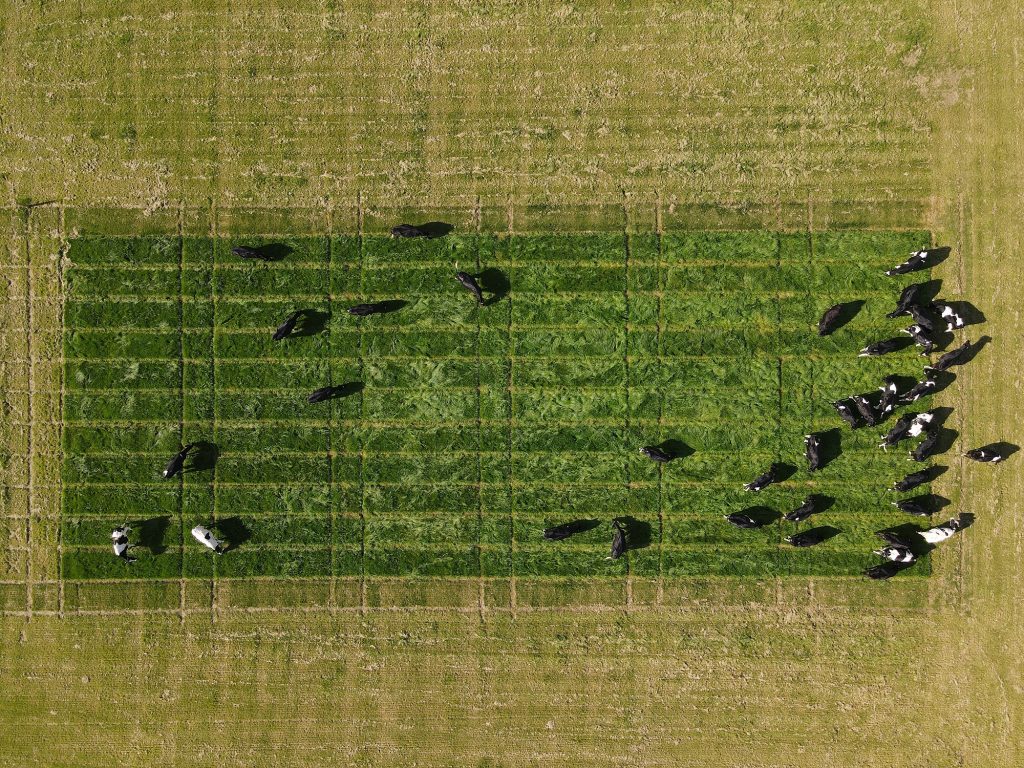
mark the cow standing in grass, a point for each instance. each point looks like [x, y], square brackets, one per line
[900, 431]
[912, 480]
[847, 414]
[618, 540]
[469, 282]
[918, 260]
[408, 230]
[741, 520]
[907, 297]
[762, 481]
[940, 533]
[880, 348]
[656, 454]
[802, 512]
[917, 333]
[985, 455]
[956, 356]
[177, 464]
[829, 320]
[919, 390]
[205, 536]
[812, 451]
[284, 330]
[119, 537]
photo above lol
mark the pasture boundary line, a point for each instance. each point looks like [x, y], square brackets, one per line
[332, 598]
[513, 598]
[625, 346]
[181, 406]
[479, 434]
[660, 320]
[61, 255]
[360, 217]
[30, 293]
[213, 394]
[782, 405]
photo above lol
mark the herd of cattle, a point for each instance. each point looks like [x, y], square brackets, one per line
[930, 318]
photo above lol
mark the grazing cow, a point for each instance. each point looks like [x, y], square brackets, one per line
[897, 550]
[618, 541]
[470, 284]
[917, 506]
[890, 396]
[408, 230]
[802, 512]
[565, 530]
[900, 431]
[121, 545]
[865, 409]
[844, 410]
[940, 533]
[245, 252]
[762, 482]
[365, 310]
[883, 571]
[812, 450]
[881, 348]
[741, 520]
[284, 330]
[919, 390]
[204, 536]
[947, 313]
[922, 317]
[925, 448]
[985, 455]
[916, 332]
[828, 321]
[956, 356]
[916, 261]
[908, 297]
[322, 394]
[808, 538]
[921, 423]
[912, 480]
[654, 453]
[175, 465]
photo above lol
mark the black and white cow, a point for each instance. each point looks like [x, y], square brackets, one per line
[119, 536]
[253, 254]
[985, 455]
[921, 423]
[919, 390]
[907, 297]
[948, 314]
[956, 356]
[919, 506]
[804, 511]
[829, 320]
[900, 431]
[365, 310]
[323, 394]
[926, 447]
[176, 464]
[940, 533]
[896, 550]
[880, 348]
[865, 409]
[923, 317]
[917, 333]
[565, 530]
[812, 451]
[808, 538]
[408, 230]
[762, 481]
[284, 330]
[205, 536]
[883, 571]
[470, 284]
[918, 260]
[654, 453]
[741, 520]
[912, 480]
[890, 396]
[846, 412]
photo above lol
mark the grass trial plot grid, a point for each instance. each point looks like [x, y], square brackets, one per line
[475, 427]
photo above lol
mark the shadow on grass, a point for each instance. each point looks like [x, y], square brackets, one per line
[565, 530]
[638, 532]
[494, 282]
[152, 532]
[314, 321]
[234, 531]
[204, 456]
[830, 446]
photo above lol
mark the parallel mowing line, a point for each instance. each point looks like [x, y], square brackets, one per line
[362, 452]
[181, 409]
[625, 354]
[332, 598]
[61, 253]
[29, 295]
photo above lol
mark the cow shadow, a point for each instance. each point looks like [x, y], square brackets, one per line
[761, 514]
[822, 502]
[152, 532]
[638, 532]
[574, 527]
[941, 414]
[234, 531]
[388, 306]
[204, 456]
[345, 390]
[435, 229]
[944, 441]
[314, 321]
[936, 256]
[823, 532]
[975, 348]
[970, 313]
[1003, 448]
[677, 449]
[847, 311]
[782, 471]
[273, 251]
[830, 446]
[901, 342]
[942, 380]
[929, 290]
[496, 283]
[930, 501]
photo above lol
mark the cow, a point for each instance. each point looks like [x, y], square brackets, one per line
[985, 455]
[883, 571]
[204, 536]
[916, 332]
[408, 230]
[908, 297]
[916, 261]
[365, 310]
[896, 550]
[940, 533]
[917, 506]
[812, 450]
[470, 284]
[912, 480]
[763, 481]
[848, 415]
[865, 409]
[618, 541]
[879, 348]
[947, 313]
[900, 431]
[808, 538]
[741, 520]
[176, 464]
[284, 330]
[920, 423]
[956, 356]
[565, 530]
[919, 390]
[925, 448]
[922, 317]
[654, 453]
[119, 536]
[802, 512]
[246, 252]
[829, 320]
[322, 394]
[890, 395]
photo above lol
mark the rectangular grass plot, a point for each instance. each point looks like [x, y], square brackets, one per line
[457, 433]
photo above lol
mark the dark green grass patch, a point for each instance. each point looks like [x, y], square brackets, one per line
[465, 430]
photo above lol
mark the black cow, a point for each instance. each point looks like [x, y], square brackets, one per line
[470, 284]
[925, 448]
[365, 310]
[848, 415]
[763, 481]
[802, 512]
[284, 330]
[917, 506]
[916, 332]
[245, 252]
[912, 480]
[175, 465]
[812, 450]
[883, 571]
[922, 317]
[322, 394]
[908, 297]
[900, 431]
[741, 520]
[916, 261]
[865, 409]
[808, 538]
[565, 530]
[985, 455]
[881, 348]
[828, 321]
[919, 390]
[408, 230]
[654, 453]
[956, 356]
[618, 541]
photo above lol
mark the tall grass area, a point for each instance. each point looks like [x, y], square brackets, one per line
[475, 427]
